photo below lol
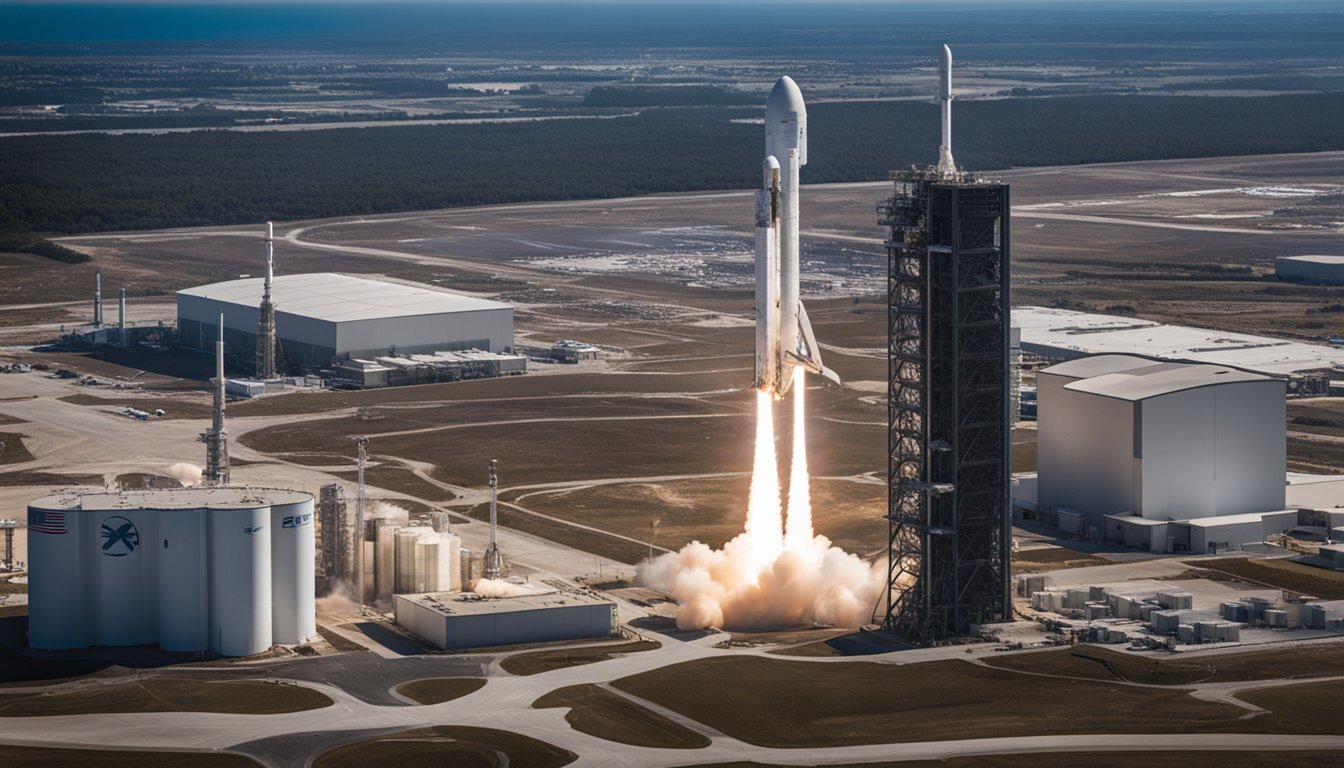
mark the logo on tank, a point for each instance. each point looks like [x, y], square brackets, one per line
[120, 537]
[297, 521]
[253, 530]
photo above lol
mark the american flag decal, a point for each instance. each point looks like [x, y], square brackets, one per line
[46, 522]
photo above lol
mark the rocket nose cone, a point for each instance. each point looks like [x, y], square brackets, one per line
[945, 58]
[784, 98]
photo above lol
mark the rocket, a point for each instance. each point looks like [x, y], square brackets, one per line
[946, 166]
[784, 338]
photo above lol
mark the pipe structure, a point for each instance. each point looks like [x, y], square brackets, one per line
[121, 319]
[98, 299]
[216, 438]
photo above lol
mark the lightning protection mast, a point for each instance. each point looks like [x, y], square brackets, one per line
[494, 561]
[266, 322]
[216, 438]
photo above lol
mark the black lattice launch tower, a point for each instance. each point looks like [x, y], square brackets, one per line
[947, 399]
[266, 347]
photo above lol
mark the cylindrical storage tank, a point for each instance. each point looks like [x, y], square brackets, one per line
[406, 558]
[240, 580]
[427, 564]
[60, 614]
[292, 570]
[126, 585]
[384, 560]
[184, 595]
[453, 579]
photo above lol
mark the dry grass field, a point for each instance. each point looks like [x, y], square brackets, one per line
[447, 745]
[560, 658]
[779, 703]
[82, 758]
[166, 694]
[1099, 663]
[437, 690]
[1283, 574]
[601, 713]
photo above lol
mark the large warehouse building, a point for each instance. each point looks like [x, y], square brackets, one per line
[324, 317]
[1310, 269]
[223, 570]
[1127, 443]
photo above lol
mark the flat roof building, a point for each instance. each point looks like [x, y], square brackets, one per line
[325, 317]
[455, 620]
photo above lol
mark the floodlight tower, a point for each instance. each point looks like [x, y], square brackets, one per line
[216, 438]
[266, 322]
[494, 561]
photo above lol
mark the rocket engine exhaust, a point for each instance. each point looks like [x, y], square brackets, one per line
[777, 572]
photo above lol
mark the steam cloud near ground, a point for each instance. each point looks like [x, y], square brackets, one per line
[184, 473]
[502, 588]
[777, 573]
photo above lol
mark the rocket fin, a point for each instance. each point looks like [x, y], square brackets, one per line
[809, 354]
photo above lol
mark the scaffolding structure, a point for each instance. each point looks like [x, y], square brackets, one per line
[948, 404]
[336, 542]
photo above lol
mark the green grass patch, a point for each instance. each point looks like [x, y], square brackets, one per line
[601, 713]
[560, 658]
[437, 690]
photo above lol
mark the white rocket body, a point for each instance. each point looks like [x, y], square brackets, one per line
[270, 256]
[946, 166]
[783, 334]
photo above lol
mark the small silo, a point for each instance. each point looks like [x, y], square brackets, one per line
[384, 559]
[60, 610]
[126, 584]
[184, 594]
[292, 568]
[240, 578]
[406, 558]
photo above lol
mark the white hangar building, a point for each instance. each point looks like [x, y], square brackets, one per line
[324, 317]
[227, 571]
[1310, 269]
[1127, 445]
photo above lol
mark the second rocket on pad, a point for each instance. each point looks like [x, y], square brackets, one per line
[783, 334]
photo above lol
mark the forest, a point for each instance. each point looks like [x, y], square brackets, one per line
[96, 182]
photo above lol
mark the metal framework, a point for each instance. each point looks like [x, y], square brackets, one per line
[948, 404]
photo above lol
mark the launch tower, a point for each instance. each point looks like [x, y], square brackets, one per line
[494, 561]
[266, 322]
[947, 397]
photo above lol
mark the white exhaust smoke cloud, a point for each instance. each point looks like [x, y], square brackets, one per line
[381, 509]
[184, 473]
[777, 573]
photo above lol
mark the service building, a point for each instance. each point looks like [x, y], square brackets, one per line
[325, 317]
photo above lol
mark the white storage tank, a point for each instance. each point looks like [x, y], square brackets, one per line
[60, 610]
[126, 584]
[292, 568]
[384, 559]
[240, 580]
[406, 557]
[184, 595]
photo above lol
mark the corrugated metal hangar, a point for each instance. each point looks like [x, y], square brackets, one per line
[1126, 436]
[455, 620]
[325, 317]
[1310, 269]
[223, 570]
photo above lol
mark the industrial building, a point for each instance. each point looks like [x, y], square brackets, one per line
[457, 620]
[1161, 456]
[948, 397]
[1059, 334]
[325, 317]
[1310, 269]
[228, 571]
